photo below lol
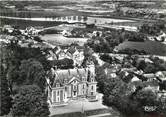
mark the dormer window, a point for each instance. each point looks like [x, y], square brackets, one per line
[57, 85]
[92, 79]
[83, 79]
[75, 81]
[65, 81]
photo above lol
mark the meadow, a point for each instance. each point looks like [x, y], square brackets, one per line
[151, 47]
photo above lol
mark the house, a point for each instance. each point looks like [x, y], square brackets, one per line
[66, 33]
[62, 54]
[74, 53]
[51, 56]
[8, 28]
[111, 72]
[97, 33]
[32, 30]
[161, 75]
[161, 37]
[72, 84]
[150, 76]
[77, 55]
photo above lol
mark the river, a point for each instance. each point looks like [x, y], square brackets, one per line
[97, 20]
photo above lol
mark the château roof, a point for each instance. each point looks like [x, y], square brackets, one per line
[62, 75]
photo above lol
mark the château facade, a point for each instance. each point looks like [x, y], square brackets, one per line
[72, 84]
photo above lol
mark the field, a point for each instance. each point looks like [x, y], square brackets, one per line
[58, 39]
[151, 47]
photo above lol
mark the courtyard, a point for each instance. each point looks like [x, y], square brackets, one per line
[79, 105]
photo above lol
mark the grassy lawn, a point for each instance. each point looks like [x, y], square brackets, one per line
[151, 47]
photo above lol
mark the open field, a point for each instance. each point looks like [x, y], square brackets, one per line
[58, 39]
[151, 47]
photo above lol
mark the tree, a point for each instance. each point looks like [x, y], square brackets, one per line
[106, 58]
[38, 39]
[147, 101]
[162, 106]
[120, 94]
[87, 51]
[116, 93]
[152, 29]
[146, 97]
[31, 72]
[150, 68]
[18, 53]
[129, 102]
[141, 65]
[100, 77]
[30, 102]
[5, 99]
[63, 63]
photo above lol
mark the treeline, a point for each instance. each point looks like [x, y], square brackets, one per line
[109, 39]
[132, 52]
[24, 70]
[152, 28]
[155, 64]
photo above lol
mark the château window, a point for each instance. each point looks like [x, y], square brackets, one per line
[58, 93]
[92, 87]
[75, 87]
[65, 88]
[54, 96]
[83, 79]
[92, 80]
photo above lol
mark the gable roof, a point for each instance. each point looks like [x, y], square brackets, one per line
[71, 50]
[61, 51]
[150, 75]
[161, 75]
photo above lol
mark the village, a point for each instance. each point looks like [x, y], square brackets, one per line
[73, 72]
[84, 66]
